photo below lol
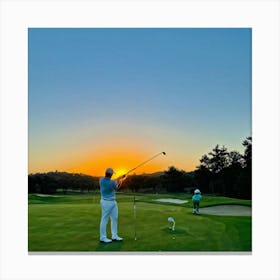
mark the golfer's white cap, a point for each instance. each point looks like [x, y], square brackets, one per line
[197, 191]
[109, 170]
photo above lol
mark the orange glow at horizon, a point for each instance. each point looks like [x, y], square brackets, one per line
[119, 172]
[93, 161]
[121, 164]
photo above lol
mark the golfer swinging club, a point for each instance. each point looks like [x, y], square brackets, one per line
[109, 206]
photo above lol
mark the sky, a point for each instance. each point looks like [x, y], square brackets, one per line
[114, 97]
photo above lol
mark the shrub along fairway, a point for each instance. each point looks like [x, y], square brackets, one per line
[71, 223]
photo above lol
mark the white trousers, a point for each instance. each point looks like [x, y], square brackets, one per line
[109, 209]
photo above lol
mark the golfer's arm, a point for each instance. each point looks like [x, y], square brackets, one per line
[118, 185]
[119, 181]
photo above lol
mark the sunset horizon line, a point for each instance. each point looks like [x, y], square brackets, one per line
[96, 175]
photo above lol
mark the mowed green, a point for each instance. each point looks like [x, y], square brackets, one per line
[71, 224]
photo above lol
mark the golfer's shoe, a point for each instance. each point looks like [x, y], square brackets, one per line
[105, 240]
[117, 239]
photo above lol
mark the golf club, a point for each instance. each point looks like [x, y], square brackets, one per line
[134, 210]
[144, 162]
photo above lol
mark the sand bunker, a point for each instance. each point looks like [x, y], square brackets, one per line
[227, 210]
[171, 200]
[48, 195]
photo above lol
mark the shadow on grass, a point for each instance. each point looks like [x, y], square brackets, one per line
[109, 247]
[178, 231]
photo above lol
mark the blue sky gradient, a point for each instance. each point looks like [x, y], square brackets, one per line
[183, 90]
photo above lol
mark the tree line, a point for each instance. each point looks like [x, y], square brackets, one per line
[226, 173]
[220, 172]
[53, 182]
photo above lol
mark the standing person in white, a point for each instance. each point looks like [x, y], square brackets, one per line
[109, 206]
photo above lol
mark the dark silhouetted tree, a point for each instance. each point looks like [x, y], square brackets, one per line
[244, 181]
[173, 180]
[202, 178]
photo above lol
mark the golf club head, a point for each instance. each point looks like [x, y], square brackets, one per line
[164, 153]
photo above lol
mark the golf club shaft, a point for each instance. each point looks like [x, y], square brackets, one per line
[134, 210]
[144, 162]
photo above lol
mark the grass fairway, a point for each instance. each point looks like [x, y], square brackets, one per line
[71, 223]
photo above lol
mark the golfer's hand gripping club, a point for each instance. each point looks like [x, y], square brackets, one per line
[119, 180]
